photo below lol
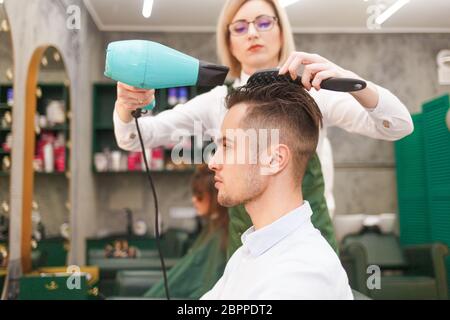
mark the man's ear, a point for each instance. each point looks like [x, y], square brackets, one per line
[275, 159]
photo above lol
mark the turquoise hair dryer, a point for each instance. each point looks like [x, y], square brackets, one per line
[150, 65]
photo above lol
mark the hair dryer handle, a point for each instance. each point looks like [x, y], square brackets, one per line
[150, 107]
[343, 84]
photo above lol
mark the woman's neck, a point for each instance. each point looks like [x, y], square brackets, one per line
[252, 69]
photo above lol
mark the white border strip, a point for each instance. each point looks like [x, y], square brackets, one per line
[212, 29]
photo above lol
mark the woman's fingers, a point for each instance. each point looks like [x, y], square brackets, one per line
[310, 71]
[293, 67]
[302, 58]
[130, 88]
[298, 59]
[285, 66]
[321, 76]
[317, 69]
[132, 98]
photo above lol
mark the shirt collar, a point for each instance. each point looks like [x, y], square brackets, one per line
[258, 242]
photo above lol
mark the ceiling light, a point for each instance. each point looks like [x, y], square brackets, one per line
[285, 3]
[44, 61]
[4, 25]
[56, 56]
[9, 74]
[147, 9]
[390, 11]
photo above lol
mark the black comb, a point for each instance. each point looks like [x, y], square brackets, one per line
[265, 77]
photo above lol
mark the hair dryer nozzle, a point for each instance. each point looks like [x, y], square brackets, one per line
[211, 75]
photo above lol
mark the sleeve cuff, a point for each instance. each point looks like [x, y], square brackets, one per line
[382, 108]
[121, 126]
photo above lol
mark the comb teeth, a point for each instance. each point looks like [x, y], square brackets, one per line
[266, 77]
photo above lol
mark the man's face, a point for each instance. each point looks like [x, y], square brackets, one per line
[237, 173]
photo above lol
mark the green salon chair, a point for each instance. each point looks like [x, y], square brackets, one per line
[407, 273]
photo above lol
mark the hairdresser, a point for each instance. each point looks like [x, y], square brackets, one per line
[254, 35]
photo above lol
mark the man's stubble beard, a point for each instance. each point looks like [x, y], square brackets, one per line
[252, 189]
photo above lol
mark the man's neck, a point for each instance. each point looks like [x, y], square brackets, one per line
[275, 202]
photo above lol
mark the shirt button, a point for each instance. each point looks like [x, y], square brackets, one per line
[386, 124]
[132, 136]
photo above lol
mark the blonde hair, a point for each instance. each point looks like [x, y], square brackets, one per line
[229, 10]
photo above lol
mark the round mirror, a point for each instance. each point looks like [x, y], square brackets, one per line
[47, 143]
[6, 113]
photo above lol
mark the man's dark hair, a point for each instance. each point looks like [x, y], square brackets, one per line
[287, 107]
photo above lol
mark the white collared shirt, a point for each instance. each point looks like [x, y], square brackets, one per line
[286, 260]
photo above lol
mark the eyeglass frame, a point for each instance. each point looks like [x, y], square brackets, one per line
[274, 18]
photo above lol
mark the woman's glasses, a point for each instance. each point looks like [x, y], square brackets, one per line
[262, 23]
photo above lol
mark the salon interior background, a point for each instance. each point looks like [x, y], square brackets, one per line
[365, 179]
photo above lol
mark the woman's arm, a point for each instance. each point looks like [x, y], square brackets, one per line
[199, 114]
[390, 120]
[373, 112]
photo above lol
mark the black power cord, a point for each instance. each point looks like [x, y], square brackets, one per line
[136, 115]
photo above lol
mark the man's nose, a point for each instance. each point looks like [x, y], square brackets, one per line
[214, 162]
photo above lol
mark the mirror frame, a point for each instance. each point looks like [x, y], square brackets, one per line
[29, 150]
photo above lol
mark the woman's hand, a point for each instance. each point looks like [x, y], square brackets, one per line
[318, 69]
[130, 98]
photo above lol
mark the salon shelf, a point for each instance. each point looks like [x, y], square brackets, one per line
[137, 172]
[5, 129]
[104, 97]
[60, 92]
[6, 174]
[4, 106]
[4, 152]
[50, 173]
[104, 127]
[4, 87]
[56, 128]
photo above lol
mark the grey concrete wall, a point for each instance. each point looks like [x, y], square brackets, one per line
[405, 64]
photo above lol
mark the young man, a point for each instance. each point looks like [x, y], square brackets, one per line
[267, 138]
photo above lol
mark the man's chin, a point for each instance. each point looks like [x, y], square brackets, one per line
[226, 201]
